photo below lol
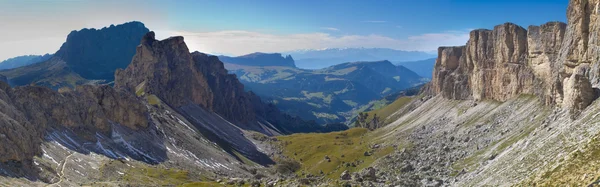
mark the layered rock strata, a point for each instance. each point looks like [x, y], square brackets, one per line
[558, 62]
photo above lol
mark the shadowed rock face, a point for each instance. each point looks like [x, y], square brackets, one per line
[557, 62]
[27, 112]
[96, 54]
[89, 56]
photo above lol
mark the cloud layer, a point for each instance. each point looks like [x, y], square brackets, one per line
[237, 42]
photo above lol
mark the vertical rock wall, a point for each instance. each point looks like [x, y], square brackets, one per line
[558, 62]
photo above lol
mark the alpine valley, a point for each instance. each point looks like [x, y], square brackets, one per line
[114, 106]
[331, 95]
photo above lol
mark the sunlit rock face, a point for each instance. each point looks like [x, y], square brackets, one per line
[558, 62]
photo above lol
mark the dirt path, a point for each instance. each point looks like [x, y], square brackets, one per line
[61, 174]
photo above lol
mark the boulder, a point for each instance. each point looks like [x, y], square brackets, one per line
[345, 175]
[369, 174]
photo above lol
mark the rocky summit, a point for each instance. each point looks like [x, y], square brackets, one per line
[88, 56]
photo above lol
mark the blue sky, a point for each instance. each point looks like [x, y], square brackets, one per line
[395, 18]
[237, 27]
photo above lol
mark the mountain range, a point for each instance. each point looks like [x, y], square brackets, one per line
[329, 95]
[167, 104]
[422, 67]
[23, 61]
[514, 106]
[261, 59]
[318, 59]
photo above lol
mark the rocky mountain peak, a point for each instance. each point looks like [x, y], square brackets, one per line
[558, 62]
[96, 53]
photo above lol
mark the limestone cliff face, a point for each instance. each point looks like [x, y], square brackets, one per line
[556, 61]
[544, 44]
[168, 70]
[491, 57]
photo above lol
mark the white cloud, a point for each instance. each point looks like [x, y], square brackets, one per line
[375, 21]
[237, 42]
[330, 28]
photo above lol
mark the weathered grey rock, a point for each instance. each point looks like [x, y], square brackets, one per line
[370, 174]
[578, 91]
[345, 175]
[508, 61]
[27, 112]
[544, 43]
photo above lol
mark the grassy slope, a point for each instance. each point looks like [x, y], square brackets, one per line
[341, 147]
[388, 110]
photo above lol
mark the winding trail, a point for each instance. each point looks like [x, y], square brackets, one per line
[61, 174]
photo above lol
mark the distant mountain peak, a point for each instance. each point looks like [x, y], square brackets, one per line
[21, 61]
[261, 59]
[87, 55]
[322, 58]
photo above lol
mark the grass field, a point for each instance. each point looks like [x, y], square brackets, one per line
[345, 151]
[388, 110]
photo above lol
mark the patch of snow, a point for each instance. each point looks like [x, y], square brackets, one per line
[183, 123]
[77, 171]
[45, 154]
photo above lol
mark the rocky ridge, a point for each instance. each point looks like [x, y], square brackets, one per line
[558, 62]
[179, 78]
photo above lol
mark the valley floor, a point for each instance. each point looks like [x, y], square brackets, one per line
[441, 142]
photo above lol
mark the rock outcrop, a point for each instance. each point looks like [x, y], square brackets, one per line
[27, 112]
[168, 70]
[179, 78]
[558, 62]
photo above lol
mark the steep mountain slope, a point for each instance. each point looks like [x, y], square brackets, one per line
[170, 120]
[88, 56]
[167, 70]
[23, 61]
[512, 107]
[317, 59]
[328, 95]
[260, 59]
[52, 73]
[422, 67]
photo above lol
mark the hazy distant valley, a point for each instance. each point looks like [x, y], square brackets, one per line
[330, 95]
